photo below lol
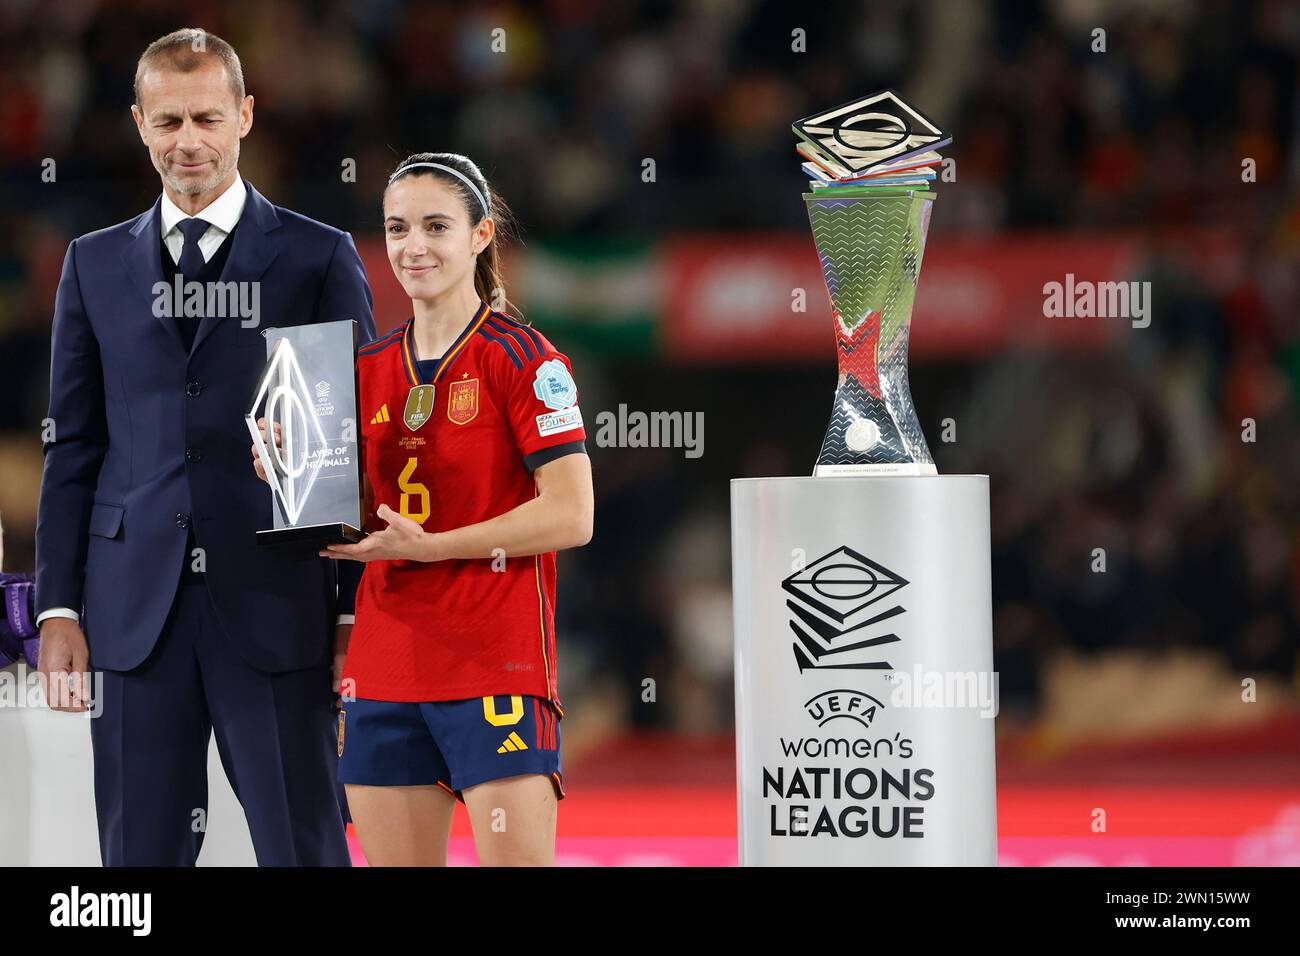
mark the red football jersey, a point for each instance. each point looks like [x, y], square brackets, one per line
[453, 449]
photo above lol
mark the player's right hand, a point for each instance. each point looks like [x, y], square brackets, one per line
[62, 665]
[257, 459]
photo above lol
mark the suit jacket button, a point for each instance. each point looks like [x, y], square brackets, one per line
[182, 521]
[193, 388]
[193, 454]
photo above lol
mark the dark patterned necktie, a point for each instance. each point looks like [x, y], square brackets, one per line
[191, 261]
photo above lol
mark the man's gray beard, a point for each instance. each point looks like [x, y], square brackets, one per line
[191, 188]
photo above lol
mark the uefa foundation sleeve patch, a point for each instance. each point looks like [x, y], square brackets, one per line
[564, 421]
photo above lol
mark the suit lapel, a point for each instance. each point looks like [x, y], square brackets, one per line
[255, 248]
[142, 259]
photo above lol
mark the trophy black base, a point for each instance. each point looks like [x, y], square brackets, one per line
[310, 537]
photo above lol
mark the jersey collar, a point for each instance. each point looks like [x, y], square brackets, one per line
[409, 353]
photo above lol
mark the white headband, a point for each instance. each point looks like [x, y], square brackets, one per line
[459, 175]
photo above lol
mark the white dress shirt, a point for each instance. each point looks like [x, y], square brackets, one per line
[222, 215]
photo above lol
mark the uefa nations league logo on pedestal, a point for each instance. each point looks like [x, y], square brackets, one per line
[838, 599]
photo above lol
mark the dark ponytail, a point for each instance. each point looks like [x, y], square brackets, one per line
[489, 282]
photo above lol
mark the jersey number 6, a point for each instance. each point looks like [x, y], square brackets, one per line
[409, 488]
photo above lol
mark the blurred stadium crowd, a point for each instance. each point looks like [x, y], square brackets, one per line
[1136, 449]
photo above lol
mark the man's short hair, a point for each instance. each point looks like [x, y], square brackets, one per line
[185, 50]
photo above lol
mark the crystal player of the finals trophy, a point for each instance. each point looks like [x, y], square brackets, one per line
[309, 388]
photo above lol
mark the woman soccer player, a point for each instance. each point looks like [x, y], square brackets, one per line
[473, 446]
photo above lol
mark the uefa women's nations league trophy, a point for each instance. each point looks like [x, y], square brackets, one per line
[865, 689]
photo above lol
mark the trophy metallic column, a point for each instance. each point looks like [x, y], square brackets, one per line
[862, 606]
[870, 248]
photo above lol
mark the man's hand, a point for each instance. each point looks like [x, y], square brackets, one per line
[342, 634]
[62, 665]
[402, 540]
[257, 459]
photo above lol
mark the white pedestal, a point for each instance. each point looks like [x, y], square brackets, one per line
[865, 691]
[47, 797]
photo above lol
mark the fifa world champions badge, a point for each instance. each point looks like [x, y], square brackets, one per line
[419, 406]
[871, 164]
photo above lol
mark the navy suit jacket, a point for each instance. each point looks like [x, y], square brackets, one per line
[127, 404]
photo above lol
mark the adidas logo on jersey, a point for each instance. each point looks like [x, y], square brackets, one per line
[381, 416]
[511, 744]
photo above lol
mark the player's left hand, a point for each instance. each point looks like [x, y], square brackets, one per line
[402, 540]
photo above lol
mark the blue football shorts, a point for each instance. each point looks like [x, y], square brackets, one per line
[454, 744]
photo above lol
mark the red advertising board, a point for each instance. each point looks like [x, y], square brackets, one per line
[736, 298]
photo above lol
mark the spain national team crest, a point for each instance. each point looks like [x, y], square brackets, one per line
[462, 401]
[419, 406]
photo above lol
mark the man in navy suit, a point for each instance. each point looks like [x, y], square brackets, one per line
[149, 505]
